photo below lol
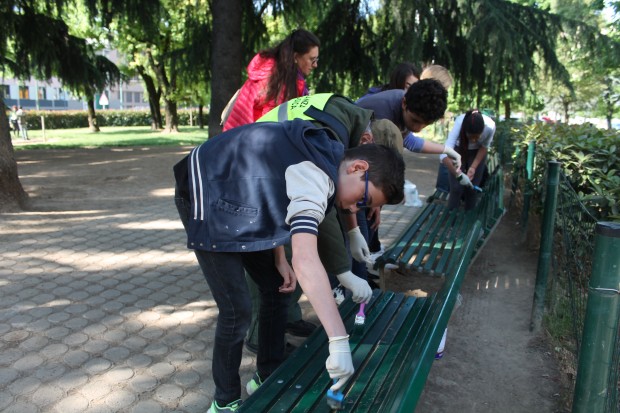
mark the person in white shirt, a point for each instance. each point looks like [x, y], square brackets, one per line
[471, 137]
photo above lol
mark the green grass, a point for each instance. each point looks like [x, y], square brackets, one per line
[109, 136]
[115, 136]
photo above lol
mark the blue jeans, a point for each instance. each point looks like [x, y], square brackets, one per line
[224, 272]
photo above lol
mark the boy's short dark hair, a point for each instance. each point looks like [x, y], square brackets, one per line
[386, 169]
[428, 99]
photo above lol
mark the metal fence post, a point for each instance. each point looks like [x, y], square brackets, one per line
[546, 244]
[528, 187]
[593, 387]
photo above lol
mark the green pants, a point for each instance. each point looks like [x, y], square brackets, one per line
[294, 310]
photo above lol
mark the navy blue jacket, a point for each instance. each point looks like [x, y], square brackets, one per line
[236, 184]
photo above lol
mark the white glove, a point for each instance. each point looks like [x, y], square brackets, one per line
[456, 157]
[358, 245]
[464, 180]
[339, 364]
[361, 291]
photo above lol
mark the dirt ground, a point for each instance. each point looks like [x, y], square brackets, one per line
[492, 362]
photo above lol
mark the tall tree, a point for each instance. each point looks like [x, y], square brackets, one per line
[40, 45]
[101, 74]
[591, 53]
[225, 58]
[159, 49]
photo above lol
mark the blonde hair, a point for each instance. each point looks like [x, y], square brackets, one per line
[438, 73]
[386, 133]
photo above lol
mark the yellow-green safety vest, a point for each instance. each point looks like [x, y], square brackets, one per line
[307, 108]
[296, 108]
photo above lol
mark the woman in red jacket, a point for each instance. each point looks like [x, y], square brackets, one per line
[274, 76]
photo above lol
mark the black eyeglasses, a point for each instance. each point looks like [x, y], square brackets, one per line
[364, 203]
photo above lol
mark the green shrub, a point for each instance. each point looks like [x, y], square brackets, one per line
[590, 160]
[70, 119]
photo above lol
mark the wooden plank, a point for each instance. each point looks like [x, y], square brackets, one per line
[443, 248]
[454, 240]
[379, 315]
[284, 380]
[406, 393]
[393, 254]
[433, 239]
[425, 230]
[392, 354]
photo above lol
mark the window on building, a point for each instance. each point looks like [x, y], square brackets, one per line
[24, 92]
[5, 92]
[137, 97]
[128, 96]
[42, 93]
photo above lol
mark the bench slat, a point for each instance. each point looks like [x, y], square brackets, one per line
[435, 236]
[432, 239]
[392, 353]
[440, 248]
[380, 312]
[286, 381]
[395, 251]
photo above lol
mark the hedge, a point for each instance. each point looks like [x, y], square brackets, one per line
[590, 160]
[69, 119]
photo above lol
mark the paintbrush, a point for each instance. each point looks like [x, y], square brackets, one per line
[335, 399]
[360, 317]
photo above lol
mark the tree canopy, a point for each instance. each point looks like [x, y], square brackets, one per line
[501, 53]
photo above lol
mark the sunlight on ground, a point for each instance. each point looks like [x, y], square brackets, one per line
[154, 224]
[164, 192]
[497, 283]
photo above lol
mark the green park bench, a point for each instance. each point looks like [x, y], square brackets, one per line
[436, 235]
[392, 353]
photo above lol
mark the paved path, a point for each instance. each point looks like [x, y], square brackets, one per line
[102, 309]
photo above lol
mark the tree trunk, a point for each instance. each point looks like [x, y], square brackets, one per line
[92, 116]
[154, 95]
[12, 194]
[172, 118]
[167, 87]
[507, 111]
[200, 123]
[156, 111]
[610, 100]
[226, 56]
[566, 106]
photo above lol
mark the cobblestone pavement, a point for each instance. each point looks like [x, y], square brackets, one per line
[104, 310]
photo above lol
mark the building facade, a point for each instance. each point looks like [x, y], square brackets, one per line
[36, 94]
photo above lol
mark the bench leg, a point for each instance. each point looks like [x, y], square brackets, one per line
[382, 278]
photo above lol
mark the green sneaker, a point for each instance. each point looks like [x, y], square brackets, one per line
[253, 384]
[230, 407]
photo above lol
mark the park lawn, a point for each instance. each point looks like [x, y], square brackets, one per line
[109, 136]
[115, 136]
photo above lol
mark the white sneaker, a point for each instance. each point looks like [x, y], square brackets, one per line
[373, 257]
[371, 270]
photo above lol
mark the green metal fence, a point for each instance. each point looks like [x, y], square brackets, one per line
[572, 263]
[567, 290]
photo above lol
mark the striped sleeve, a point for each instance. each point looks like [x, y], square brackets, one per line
[308, 189]
[305, 224]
